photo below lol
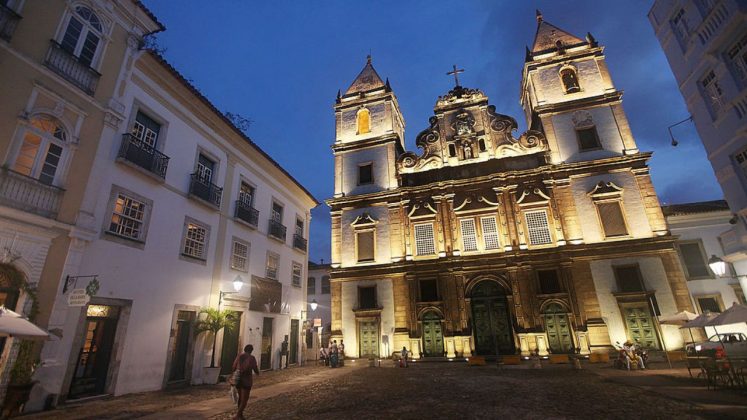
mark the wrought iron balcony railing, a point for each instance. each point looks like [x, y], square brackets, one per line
[70, 67]
[8, 21]
[246, 213]
[29, 194]
[299, 242]
[205, 190]
[276, 230]
[135, 151]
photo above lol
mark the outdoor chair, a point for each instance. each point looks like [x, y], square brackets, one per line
[715, 377]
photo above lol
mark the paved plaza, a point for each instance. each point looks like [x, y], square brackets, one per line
[435, 390]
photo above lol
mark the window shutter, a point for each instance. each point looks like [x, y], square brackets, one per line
[694, 260]
[424, 240]
[490, 233]
[469, 234]
[612, 219]
[365, 246]
[538, 227]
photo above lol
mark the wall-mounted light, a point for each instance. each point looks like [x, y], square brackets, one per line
[718, 266]
[238, 283]
[313, 305]
[675, 142]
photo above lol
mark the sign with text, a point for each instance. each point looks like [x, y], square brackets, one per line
[78, 297]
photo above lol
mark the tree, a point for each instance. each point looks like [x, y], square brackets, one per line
[214, 321]
[239, 121]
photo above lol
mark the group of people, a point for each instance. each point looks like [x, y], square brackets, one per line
[334, 355]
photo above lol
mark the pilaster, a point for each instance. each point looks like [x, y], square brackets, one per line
[625, 133]
[567, 209]
[650, 202]
[677, 281]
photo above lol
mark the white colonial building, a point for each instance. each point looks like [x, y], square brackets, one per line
[705, 42]
[318, 294]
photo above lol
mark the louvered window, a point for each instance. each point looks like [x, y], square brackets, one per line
[239, 255]
[469, 234]
[490, 233]
[365, 246]
[195, 241]
[695, 262]
[424, 240]
[538, 227]
[612, 218]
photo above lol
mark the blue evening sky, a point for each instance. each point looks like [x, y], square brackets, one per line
[281, 63]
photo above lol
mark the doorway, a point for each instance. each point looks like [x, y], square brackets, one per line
[433, 338]
[490, 320]
[230, 348]
[181, 346]
[92, 366]
[368, 338]
[293, 351]
[265, 362]
[640, 324]
[558, 329]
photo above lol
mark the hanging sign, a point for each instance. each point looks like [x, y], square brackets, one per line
[78, 297]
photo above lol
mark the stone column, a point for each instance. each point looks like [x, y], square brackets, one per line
[503, 220]
[629, 146]
[567, 208]
[650, 201]
[676, 279]
[552, 140]
[396, 246]
[336, 304]
[336, 216]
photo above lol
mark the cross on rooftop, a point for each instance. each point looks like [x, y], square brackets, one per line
[455, 72]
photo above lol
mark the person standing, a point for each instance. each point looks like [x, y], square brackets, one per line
[246, 364]
[333, 355]
[403, 355]
[341, 353]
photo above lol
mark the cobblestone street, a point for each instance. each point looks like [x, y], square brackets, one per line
[431, 390]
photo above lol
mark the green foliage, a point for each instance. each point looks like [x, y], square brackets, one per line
[25, 364]
[17, 280]
[213, 321]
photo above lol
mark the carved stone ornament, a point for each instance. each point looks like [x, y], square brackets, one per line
[459, 93]
[424, 208]
[364, 219]
[605, 189]
[428, 140]
[532, 195]
[474, 202]
[464, 124]
[582, 119]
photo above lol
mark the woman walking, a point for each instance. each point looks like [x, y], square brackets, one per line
[245, 363]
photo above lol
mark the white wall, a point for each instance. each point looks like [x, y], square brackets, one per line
[384, 298]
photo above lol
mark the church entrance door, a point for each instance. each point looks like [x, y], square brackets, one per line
[490, 320]
[640, 324]
[368, 338]
[558, 329]
[433, 338]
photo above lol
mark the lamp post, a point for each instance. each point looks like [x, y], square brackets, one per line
[718, 266]
[675, 142]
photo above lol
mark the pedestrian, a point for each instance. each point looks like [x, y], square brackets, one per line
[403, 355]
[246, 364]
[333, 354]
[323, 356]
[341, 352]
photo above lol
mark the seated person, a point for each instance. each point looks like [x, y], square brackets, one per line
[630, 355]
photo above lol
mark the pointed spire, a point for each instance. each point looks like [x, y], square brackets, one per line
[539, 16]
[527, 54]
[366, 80]
[548, 35]
[338, 96]
[387, 86]
[590, 39]
[368, 59]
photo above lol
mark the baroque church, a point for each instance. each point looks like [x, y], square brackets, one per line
[490, 242]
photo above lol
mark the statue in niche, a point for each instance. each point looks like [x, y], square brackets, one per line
[467, 151]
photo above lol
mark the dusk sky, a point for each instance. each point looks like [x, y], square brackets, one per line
[280, 63]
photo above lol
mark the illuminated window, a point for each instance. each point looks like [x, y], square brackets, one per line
[570, 80]
[425, 243]
[490, 235]
[146, 130]
[296, 273]
[240, 255]
[363, 121]
[538, 228]
[195, 241]
[469, 234]
[273, 262]
[42, 149]
[127, 217]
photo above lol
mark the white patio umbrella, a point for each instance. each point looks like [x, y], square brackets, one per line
[15, 326]
[680, 318]
[698, 322]
[734, 315]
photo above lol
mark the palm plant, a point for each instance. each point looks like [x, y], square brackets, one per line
[214, 321]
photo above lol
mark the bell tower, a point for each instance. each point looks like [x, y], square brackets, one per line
[369, 135]
[567, 93]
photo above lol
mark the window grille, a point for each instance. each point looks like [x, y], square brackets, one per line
[709, 304]
[296, 274]
[194, 243]
[738, 56]
[311, 286]
[127, 217]
[271, 271]
[469, 234]
[538, 227]
[365, 241]
[424, 239]
[612, 218]
[490, 233]
[712, 91]
[549, 281]
[239, 256]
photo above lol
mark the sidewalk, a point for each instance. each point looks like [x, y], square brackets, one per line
[676, 383]
[216, 406]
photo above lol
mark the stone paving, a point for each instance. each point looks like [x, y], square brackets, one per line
[436, 390]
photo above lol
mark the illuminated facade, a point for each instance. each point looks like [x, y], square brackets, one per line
[492, 242]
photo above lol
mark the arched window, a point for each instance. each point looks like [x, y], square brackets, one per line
[42, 149]
[363, 121]
[570, 80]
[83, 35]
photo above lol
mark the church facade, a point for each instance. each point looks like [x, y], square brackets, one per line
[490, 242]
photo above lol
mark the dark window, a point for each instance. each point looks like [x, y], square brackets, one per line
[570, 80]
[365, 174]
[452, 150]
[482, 145]
[365, 246]
[549, 281]
[709, 304]
[629, 279]
[367, 297]
[325, 285]
[311, 286]
[587, 138]
[612, 219]
[428, 291]
[205, 168]
[277, 212]
[695, 262]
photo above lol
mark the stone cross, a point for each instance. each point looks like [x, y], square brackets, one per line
[455, 72]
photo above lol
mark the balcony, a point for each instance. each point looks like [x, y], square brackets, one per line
[299, 242]
[8, 21]
[71, 69]
[205, 190]
[134, 151]
[276, 230]
[29, 194]
[246, 213]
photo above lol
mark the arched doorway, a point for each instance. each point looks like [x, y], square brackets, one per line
[558, 329]
[433, 337]
[491, 322]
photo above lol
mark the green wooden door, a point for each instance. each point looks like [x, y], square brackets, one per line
[368, 339]
[230, 348]
[433, 338]
[640, 325]
[265, 358]
[490, 320]
[558, 329]
[293, 351]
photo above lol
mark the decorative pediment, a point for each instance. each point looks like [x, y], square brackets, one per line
[422, 209]
[532, 195]
[364, 220]
[605, 189]
[477, 201]
[464, 123]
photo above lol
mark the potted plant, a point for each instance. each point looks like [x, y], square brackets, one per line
[213, 321]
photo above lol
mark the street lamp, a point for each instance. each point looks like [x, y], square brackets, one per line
[238, 283]
[718, 266]
[675, 142]
[313, 305]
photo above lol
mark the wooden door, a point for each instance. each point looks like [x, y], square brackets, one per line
[640, 325]
[266, 356]
[433, 338]
[492, 326]
[180, 349]
[368, 339]
[293, 351]
[230, 348]
[558, 329]
[92, 367]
